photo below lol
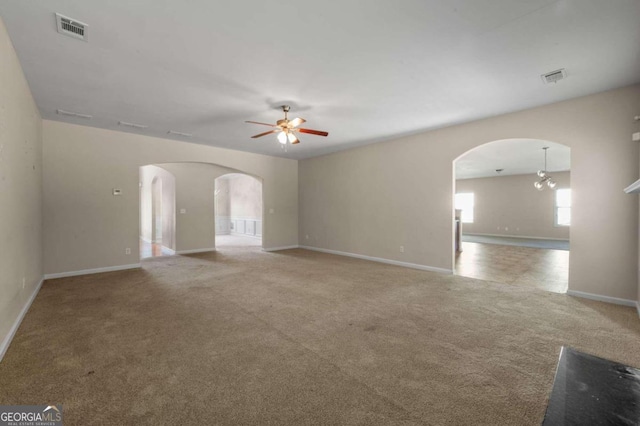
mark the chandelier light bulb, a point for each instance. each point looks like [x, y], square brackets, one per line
[291, 137]
[282, 138]
[544, 176]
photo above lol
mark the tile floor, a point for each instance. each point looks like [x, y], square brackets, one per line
[520, 266]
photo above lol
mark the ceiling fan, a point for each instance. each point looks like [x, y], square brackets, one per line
[287, 129]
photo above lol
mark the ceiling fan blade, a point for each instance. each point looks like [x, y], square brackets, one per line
[265, 134]
[313, 132]
[264, 124]
[296, 140]
[296, 122]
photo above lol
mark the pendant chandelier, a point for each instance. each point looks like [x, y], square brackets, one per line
[544, 176]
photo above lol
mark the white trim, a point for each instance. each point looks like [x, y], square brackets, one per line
[382, 260]
[280, 248]
[92, 271]
[171, 251]
[600, 298]
[517, 236]
[146, 240]
[204, 250]
[16, 324]
[238, 234]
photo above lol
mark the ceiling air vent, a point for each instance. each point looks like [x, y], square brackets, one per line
[72, 28]
[554, 76]
[134, 125]
[73, 114]
[186, 135]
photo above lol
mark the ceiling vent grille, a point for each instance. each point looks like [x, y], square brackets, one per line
[183, 134]
[134, 125]
[73, 114]
[72, 28]
[554, 76]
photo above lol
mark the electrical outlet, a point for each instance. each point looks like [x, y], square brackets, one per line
[127, 251]
[401, 249]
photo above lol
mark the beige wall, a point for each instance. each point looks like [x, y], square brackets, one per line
[373, 199]
[246, 197]
[510, 205]
[20, 191]
[224, 203]
[195, 189]
[83, 164]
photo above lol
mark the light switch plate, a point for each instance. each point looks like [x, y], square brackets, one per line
[117, 191]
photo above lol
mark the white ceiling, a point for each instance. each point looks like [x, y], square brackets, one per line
[514, 156]
[365, 71]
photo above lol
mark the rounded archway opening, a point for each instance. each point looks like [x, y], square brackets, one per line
[239, 211]
[512, 213]
[181, 208]
[157, 212]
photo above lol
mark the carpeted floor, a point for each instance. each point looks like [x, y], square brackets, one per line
[297, 337]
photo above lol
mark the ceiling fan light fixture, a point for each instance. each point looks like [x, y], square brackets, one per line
[286, 129]
[282, 138]
[551, 183]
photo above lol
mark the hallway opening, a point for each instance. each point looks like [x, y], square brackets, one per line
[238, 211]
[512, 213]
[157, 212]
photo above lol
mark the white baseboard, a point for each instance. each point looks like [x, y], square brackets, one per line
[239, 234]
[204, 250]
[16, 324]
[607, 299]
[382, 260]
[515, 236]
[280, 248]
[91, 271]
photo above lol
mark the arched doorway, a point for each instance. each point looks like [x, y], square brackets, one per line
[238, 211]
[505, 229]
[157, 212]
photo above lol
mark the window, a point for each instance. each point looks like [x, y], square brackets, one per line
[464, 202]
[563, 207]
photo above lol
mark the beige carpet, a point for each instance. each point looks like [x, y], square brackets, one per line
[297, 337]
